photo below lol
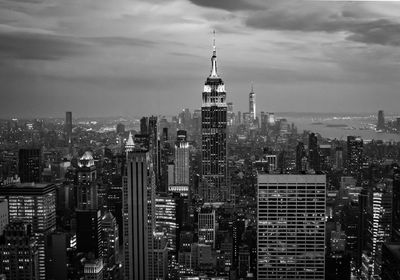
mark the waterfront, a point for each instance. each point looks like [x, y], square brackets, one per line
[341, 125]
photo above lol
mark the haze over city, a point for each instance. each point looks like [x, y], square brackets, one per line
[110, 58]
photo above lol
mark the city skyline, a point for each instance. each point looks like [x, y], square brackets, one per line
[131, 58]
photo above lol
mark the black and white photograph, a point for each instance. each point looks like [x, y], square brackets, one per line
[199, 139]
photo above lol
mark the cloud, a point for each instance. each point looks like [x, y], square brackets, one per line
[382, 32]
[37, 46]
[228, 5]
[121, 41]
[366, 30]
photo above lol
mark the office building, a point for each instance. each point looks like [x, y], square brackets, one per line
[19, 253]
[381, 121]
[396, 206]
[93, 269]
[291, 226]
[252, 105]
[381, 223]
[30, 165]
[120, 129]
[88, 232]
[33, 204]
[313, 152]
[207, 227]
[87, 189]
[301, 158]
[354, 156]
[181, 167]
[57, 245]
[339, 158]
[137, 224]
[110, 239]
[159, 257]
[213, 130]
[166, 218]
[68, 129]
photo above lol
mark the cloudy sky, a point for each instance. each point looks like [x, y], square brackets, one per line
[141, 57]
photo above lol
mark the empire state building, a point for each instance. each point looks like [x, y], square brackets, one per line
[213, 186]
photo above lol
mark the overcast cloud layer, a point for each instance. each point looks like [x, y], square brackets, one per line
[142, 57]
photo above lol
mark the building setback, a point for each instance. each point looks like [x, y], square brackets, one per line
[213, 143]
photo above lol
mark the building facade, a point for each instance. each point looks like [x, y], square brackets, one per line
[33, 204]
[291, 226]
[214, 132]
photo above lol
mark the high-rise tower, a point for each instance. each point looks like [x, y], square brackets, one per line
[138, 212]
[252, 104]
[291, 226]
[68, 129]
[213, 130]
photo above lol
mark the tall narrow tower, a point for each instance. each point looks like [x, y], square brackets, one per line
[68, 129]
[213, 130]
[252, 104]
[135, 201]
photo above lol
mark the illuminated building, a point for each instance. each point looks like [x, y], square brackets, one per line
[381, 223]
[33, 204]
[354, 156]
[291, 226]
[110, 239]
[87, 187]
[19, 253]
[166, 218]
[396, 207]
[159, 257]
[207, 227]
[93, 269]
[213, 130]
[181, 175]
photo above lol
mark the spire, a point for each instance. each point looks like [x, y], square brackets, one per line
[252, 87]
[214, 60]
[214, 48]
[130, 144]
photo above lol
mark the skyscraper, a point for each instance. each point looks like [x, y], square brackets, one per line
[381, 223]
[181, 160]
[396, 207]
[88, 232]
[136, 226]
[354, 156]
[207, 227]
[34, 204]
[19, 253]
[87, 187]
[291, 226]
[213, 130]
[381, 120]
[30, 165]
[68, 129]
[110, 239]
[252, 105]
[314, 157]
